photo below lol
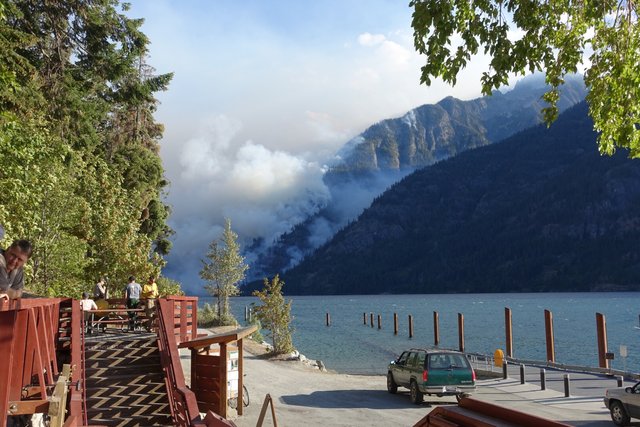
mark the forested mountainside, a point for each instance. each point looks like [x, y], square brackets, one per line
[389, 150]
[540, 211]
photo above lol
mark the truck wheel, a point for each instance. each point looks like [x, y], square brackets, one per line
[414, 393]
[618, 414]
[392, 387]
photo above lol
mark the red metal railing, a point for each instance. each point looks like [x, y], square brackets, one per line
[184, 407]
[29, 336]
[185, 318]
[471, 412]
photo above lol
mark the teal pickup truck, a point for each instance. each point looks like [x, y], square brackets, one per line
[432, 372]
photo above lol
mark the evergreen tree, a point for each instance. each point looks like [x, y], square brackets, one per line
[224, 271]
[80, 173]
[275, 315]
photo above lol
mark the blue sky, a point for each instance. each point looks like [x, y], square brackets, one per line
[264, 94]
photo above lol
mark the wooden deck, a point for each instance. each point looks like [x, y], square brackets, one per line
[110, 377]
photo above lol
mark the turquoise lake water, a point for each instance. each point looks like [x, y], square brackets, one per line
[348, 346]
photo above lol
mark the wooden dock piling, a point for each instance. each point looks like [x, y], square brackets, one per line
[461, 332]
[508, 331]
[395, 323]
[436, 328]
[601, 327]
[410, 326]
[548, 331]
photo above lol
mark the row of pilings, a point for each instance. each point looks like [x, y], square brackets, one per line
[601, 328]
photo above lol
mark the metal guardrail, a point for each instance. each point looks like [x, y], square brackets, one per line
[487, 363]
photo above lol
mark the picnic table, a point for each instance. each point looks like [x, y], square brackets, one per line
[112, 313]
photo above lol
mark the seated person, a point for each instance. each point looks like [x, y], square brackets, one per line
[87, 304]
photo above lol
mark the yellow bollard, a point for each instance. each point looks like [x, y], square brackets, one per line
[498, 358]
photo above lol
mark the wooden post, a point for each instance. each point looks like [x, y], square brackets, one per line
[222, 373]
[395, 323]
[601, 327]
[263, 412]
[371, 320]
[239, 405]
[379, 322]
[328, 319]
[548, 332]
[58, 401]
[410, 326]
[436, 329]
[508, 331]
[461, 332]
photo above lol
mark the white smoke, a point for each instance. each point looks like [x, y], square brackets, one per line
[348, 200]
[263, 192]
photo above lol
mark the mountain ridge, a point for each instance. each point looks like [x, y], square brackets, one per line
[540, 211]
[392, 148]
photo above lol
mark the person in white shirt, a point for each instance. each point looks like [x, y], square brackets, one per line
[87, 304]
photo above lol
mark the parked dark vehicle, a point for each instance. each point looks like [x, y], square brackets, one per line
[623, 403]
[432, 372]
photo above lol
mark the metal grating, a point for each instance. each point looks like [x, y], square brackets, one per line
[125, 382]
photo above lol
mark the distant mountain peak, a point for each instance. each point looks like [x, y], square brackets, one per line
[384, 153]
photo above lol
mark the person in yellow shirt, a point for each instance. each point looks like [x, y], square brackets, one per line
[149, 295]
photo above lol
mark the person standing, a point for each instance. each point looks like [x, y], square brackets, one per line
[150, 294]
[100, 291]
[132, 294]
[12, 262]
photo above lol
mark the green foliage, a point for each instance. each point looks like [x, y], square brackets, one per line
[168, 286]
[208, 317]
[257, 335]
[76, 98]
[275, 315]
[552, 37]
[224, 271]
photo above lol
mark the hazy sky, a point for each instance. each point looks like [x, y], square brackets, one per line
[264, 94]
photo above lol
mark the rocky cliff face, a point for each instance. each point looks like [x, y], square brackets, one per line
[431, 133]
[391, 149]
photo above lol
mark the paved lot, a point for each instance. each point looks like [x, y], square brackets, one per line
[304, 396]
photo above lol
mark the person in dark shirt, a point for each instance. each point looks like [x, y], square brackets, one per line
[132, 294]
[12, 261]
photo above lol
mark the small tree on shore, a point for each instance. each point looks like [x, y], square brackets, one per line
[275, 315]
[224, 270]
